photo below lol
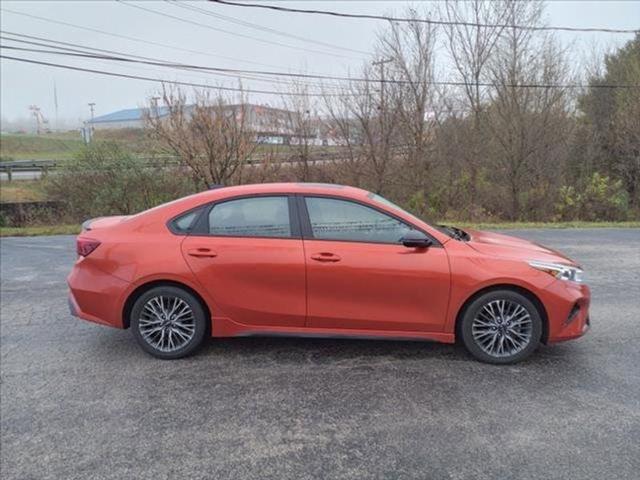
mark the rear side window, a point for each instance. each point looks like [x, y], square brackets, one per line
[251, 217]
[184, 223]
[333, 219]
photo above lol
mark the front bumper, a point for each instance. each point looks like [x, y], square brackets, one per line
[567, 305]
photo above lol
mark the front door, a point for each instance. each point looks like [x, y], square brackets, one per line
[250, 260]
[360, 276]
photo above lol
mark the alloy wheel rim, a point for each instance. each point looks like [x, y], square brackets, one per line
[502, 328]
[167, 323]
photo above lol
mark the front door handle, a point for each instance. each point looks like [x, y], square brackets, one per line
[325, 257]
[202, 252]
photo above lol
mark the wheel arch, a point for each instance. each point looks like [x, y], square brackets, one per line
[140, 290]
[514, 288]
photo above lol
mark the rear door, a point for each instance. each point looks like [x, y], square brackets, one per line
[248, 255]
[360, 276]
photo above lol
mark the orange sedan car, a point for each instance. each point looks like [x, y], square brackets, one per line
[319, 260]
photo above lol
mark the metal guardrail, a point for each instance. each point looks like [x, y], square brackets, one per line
[26, 166]
[44, 166]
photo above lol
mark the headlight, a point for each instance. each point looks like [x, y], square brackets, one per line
[558, 270]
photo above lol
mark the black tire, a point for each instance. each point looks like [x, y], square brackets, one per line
[198, 320]
[510, 297]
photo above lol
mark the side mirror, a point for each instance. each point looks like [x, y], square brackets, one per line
[416, 239]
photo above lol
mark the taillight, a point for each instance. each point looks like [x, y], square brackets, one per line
[84, 246]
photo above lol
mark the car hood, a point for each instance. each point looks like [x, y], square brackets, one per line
[497, 244]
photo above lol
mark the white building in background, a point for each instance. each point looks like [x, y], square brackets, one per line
[270, 125]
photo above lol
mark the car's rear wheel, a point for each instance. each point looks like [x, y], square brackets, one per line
[168, 322]
[501, 326]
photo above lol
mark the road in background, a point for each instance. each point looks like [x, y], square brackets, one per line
[83, 401]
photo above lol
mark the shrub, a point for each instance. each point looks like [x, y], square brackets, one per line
[427, 206]
[600, 198]
[104, 180]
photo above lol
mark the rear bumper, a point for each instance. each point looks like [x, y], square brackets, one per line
[96, 296]
[567, 306]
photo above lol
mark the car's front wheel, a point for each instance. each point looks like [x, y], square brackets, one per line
[501, 326]
[168, 322]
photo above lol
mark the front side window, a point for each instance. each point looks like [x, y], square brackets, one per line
[333, 219]
[251, 217]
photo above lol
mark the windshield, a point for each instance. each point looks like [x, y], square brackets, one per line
[452, 232]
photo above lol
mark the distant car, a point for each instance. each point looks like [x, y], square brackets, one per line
[319, 260]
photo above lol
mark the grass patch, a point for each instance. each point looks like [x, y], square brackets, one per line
[21, 191]
[61, 146]
[533, 225]
[53, 146]
[39, 231]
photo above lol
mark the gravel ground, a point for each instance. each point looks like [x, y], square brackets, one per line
[82, 401]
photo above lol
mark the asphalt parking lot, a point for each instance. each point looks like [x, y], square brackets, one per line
[83, 401]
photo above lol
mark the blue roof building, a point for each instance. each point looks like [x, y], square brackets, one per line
[129, 118]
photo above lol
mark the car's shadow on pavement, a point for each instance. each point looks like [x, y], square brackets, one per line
[327, 351]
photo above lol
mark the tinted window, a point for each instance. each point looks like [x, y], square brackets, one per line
[251, 217]
[333, 219]
[184, 223]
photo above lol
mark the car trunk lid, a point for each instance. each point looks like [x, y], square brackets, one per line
[102, 222]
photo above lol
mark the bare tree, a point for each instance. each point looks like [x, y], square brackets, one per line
[528, 119]
[212, 136]
[611, 122]
[343, 132]
[627, 140]
[410, 46]
[471, 43]
[303, 126]
[366, 126]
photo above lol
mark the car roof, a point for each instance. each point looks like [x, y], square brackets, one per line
[286, 187]
[220, 193]
[177, 207]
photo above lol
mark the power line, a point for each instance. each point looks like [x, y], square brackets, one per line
[155, 62]
[135, 39]
[88, 52]
[229, 32]
[420, 20]
[262, 28]
[274, 73]
[79, 53]
[158, 80]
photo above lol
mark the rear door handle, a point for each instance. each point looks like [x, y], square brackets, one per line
[325, 257]
[202, 252]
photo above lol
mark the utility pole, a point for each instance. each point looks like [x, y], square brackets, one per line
[55, 104]
[381, 63]
[382, 115]
[87, 130]
[91, 107]
[154, 105]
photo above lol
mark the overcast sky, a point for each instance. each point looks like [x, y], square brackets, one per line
[23, 84]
